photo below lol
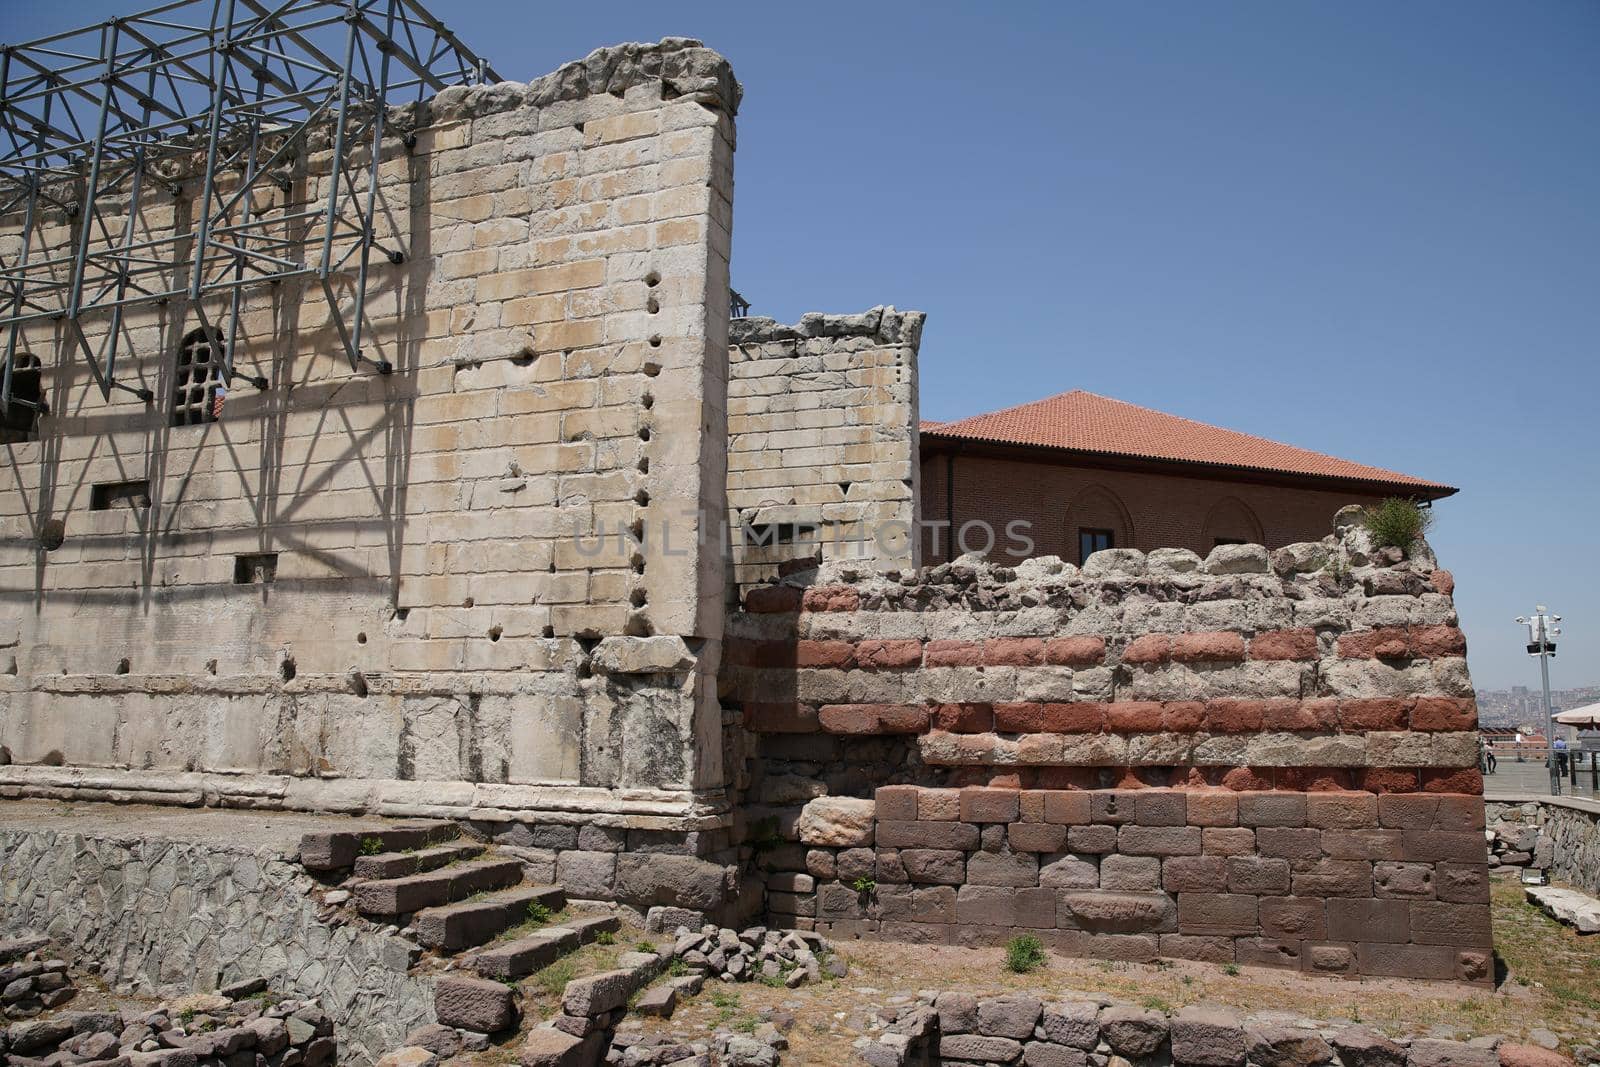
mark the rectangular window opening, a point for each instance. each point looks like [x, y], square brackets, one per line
[1091, 540]
[104, 496]
[1217, 542]
[258, 569]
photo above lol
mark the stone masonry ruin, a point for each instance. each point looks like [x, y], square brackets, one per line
[510, 583]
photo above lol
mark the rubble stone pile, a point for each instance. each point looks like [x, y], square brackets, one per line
[794, 957]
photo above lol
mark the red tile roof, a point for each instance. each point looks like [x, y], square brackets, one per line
[1085, 422]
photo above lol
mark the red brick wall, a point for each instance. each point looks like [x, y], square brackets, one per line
[1258, 758]
[1147, 510]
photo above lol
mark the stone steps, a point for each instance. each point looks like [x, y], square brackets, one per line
[333, 850]
[453, 927]
[401, 896]
[387, 865]
[520, 958]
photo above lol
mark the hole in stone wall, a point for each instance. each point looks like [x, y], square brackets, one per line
[400, 614]
[211, 666]
[655, 340]
[637, 563]
[648, 400]
[844, 487]
[260, 568]
[651, 369]
[637, 626]
[644, 465]
[653, 306]
[522, 361]
[358, 683]
[124, 665]
[578, 126]
[11, 668]
[494, 633]
[636, 530]
[637, 598]
[642, 498]
[52, 534]
[652, 279]
[467, 603]
[644, 433]
[548, 632]
[108, 495]
[361, 638]
[286, 669]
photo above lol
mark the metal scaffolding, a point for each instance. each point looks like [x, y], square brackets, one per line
[211, 103]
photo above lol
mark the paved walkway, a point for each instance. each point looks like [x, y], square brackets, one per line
[1530, 777]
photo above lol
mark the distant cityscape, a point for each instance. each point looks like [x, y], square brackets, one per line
[1524, 706]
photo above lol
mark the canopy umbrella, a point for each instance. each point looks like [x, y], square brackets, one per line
[1588, 715]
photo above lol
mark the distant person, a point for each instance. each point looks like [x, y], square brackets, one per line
[1486, 760]
[1561, 755]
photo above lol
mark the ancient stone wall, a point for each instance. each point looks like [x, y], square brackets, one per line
[1254, 757]
[822, 440]
[423, 591]
[1560, 835]
[164, 916]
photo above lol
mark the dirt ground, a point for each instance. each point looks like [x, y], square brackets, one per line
[1551, 982]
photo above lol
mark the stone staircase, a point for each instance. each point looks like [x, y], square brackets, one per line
[457, 900]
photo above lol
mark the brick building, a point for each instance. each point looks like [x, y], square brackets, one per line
[1087, 472]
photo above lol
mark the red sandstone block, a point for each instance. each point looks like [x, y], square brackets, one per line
[1333, 878]
[1182, 716]
[888, 655]
[1269, 952]
[897, 802]
[1216, 646]
[1342, 811]
[1446, 780]
[1084, 718]
[825, 654]
[873, 719]
[1092, 839]
[1462, 883]
[1272, 809]
[1194, 874]
[1351, 919]
[990, 805]
[1133, 717]
[1234, 716]
[1294, 918]
[831, 598]
[1459, 813]
[1262, 876]
[1159, 840]
[1151, 648]
[1408, 811]
[1161, 809]
[963, 718]
[1075, 651]
[1289, 714]
[938, 805]
[1363, 844]
[1379, 713]
[1013, 652]
[959, 836]
[1431, 641]
[1317, 779]
[1389, 780]
[1446, 846]
[1435, 962]
[1386, 642]
[1217, 913]
[1212, 809]
[1284, 644]
[1113, 806]
[953, 654]
[775, 718]
[1066, 808]
[1204, 949]
[1036, 837]
[772, 599]
[1289, 842]
[1247, 779]
[1442, 582]
[1032, 803]
[1444, 713]
[1228, 841]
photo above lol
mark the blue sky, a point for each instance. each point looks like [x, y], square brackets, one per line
[1365, 228]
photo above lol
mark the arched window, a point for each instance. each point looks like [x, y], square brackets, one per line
[197, 377]
[1230, 522]
[1096, 520]
[27, 394]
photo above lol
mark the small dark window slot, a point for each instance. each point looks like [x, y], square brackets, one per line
[27, 397]
[258, 569]
[1218, 542]
[107, 495]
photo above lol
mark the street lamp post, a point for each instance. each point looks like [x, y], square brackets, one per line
[1542, 630]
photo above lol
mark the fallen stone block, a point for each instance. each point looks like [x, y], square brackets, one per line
[474, 1004]
[660, 1000]
[1287, 1046]
[547, 1047]
[1207, 1038]
[1567, 906]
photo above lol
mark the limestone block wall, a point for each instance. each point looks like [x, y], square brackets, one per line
[1565, 839]
[164, 916]
[449, 589]
[1255, 757]
[822, 441]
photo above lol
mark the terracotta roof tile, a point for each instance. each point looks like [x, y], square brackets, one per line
[1085, 422]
